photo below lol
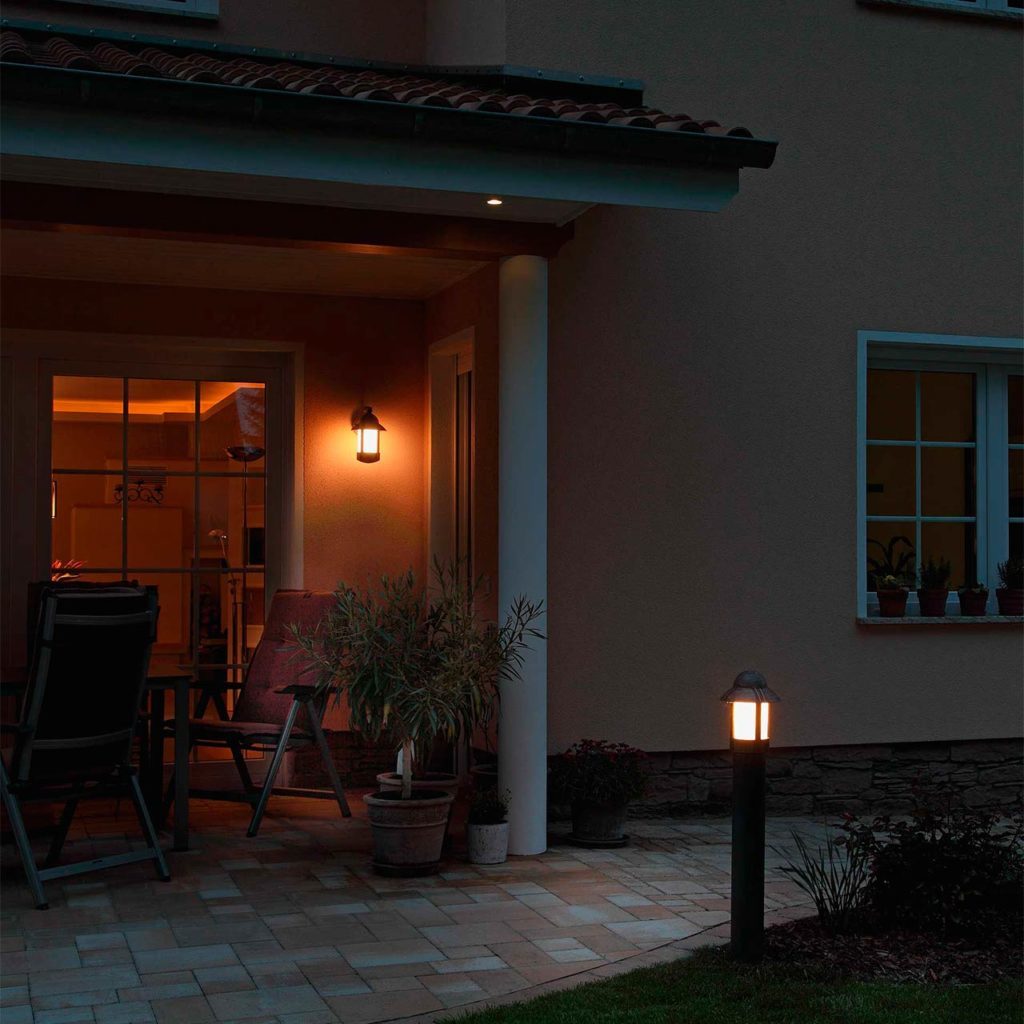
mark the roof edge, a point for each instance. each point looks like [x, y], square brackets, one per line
[628, 92]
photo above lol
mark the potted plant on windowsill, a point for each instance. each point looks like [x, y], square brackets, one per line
[487, 827]
[599, 779]
[890, 575]
[415, 667]
[973, 599]
[1011, 594]
[933, 592]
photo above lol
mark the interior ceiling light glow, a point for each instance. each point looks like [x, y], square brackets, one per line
[494, 201]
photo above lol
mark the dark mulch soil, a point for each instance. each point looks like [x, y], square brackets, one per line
[898, 956]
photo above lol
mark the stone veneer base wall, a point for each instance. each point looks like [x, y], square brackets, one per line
[979, 774]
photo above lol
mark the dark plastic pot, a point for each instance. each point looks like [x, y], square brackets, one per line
[973, 603]
[892, 604]
[933, 602]
[599, 822]
[1011, 602]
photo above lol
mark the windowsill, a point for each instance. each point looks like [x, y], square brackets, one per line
[941, 620]
[937, 7]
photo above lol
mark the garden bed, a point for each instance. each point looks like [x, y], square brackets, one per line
[896, 955]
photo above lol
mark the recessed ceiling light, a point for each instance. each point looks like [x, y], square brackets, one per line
[494, 201]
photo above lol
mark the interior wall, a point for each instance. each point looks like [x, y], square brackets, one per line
[359, 519]
[718, 532]
[392, 31]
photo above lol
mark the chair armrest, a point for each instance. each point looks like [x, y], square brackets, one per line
[299, 691]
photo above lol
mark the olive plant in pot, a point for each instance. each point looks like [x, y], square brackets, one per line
[890, 574]
[415, 666]
[599, 779]
[1011, 594]
[933, 592]
[973, 599]
[487, 827]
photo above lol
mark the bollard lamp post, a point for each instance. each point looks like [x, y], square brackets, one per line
[749, 698]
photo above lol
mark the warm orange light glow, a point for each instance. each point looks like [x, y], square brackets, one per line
[368, 441]
[494, 201]
[744, 720]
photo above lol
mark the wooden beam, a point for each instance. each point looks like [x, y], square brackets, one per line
[43, 207]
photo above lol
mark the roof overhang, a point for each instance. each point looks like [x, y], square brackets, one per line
[97, 129]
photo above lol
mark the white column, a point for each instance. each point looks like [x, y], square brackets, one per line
[523, 537]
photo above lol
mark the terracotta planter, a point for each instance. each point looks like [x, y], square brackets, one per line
[933, 602]
[892, 604]
[599, 824]
[408, 834]
[487, 844]
[973, 603]
[1011, 602]
[485, 776]
[444, 781]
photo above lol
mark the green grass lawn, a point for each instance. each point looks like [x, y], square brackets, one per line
[709, 989]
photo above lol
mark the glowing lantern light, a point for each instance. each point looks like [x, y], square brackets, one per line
[367, 430]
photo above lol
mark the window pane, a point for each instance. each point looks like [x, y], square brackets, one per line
[891, 405]
[87, 416]
[890, 550]
[955, 542]
[1017, 540]
[231, 416]
[174, 628]
[947, 482]
[161, 423]
[92, 534]
[1015, 407]
[947, 406]
[1016, 483]
[891, 485]
[160, 530]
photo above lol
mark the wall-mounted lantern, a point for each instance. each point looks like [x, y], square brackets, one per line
[367, 430]
[749, 698]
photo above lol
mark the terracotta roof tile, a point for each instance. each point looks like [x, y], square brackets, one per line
[324, 80]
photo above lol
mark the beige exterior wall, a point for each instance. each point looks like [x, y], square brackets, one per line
[721, 534]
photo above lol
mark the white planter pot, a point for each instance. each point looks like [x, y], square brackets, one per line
[488, 844]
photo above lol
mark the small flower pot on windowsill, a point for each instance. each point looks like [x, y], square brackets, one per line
[933, 602]
[1011, 602]
[892, 604]
[973, 602]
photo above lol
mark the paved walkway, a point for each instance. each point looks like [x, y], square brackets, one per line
[293, 927]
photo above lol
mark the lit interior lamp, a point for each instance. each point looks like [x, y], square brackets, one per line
[750, 698]
[494, 201]
[368, 430]
[53, 499]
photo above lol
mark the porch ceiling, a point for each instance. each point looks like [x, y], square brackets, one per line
[260, 268]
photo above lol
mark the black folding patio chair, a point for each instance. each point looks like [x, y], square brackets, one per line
[73, 742]
[276, 712]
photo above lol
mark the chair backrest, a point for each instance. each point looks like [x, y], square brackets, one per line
[90, 660]
[275, 662]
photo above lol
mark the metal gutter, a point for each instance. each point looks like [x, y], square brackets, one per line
[337, 114]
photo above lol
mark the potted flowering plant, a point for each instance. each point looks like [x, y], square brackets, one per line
[599, 779]
[973, 598]
[934, 589]
[1011, 594]
[415, 667]
[890, 574]
[487, 827]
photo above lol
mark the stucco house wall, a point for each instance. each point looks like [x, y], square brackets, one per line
[717, 530]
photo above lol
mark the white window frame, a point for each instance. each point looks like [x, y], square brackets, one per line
[992, 360]
[186, 8]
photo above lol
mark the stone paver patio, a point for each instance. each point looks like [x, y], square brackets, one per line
[294, 927]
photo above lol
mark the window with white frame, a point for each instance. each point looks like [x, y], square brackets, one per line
[187, 8]
[941, 457]
[1000, 8]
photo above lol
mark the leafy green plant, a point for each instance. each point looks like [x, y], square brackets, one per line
[599, 772]
[416, 666]
[935, 575]
[892, 562]
[973, 588]
[489, 807]
[949, 871]
[890, 583]
[1011, 573]
[835, 878]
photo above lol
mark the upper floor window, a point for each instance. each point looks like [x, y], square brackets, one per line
[941, 467]
[999, 8]
[187, 8]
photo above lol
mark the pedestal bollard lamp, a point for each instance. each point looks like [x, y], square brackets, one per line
[749, 698]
